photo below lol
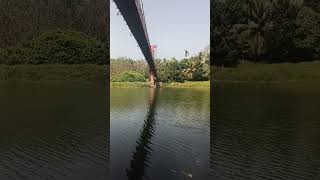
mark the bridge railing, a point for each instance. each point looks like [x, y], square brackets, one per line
[142, 17]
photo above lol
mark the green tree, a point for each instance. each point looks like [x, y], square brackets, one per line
[128, 76]
[280, 43]
[307, 36]
[226, 47]
[169, 71]
[254, 30]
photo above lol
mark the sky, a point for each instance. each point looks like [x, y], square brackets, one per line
[173, 25]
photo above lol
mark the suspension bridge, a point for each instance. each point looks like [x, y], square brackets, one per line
[133, 13]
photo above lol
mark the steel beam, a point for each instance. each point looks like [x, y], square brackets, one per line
[133, 14]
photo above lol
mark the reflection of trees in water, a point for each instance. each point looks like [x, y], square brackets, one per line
[141, 156]
[212, 108]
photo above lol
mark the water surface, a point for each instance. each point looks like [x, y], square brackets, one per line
[159, 133]
[53, 130]
[265, 131]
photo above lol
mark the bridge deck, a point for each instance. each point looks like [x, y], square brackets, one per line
[133, 14]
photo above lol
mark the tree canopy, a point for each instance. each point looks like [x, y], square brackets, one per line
[264, 31]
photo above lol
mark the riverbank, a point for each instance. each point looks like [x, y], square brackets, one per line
[186, 84]
[83, 72]
[255, 72]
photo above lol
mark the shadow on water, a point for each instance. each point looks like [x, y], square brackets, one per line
[142, 154]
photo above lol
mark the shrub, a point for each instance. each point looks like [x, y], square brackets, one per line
[129, 76]
[171, 71]
[58, 47]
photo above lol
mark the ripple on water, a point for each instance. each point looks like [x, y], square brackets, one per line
[164, 134]
[264, 133]
[62, 134]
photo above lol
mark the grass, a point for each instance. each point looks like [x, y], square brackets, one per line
[94, 73]
[81, 73]
[283, 72]
[187, 84]
[128, 84]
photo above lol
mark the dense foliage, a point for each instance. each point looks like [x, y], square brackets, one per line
[57, 47]
[172, 70]
[129, 76]
[265, 31]
[23, 20]
[120, 65]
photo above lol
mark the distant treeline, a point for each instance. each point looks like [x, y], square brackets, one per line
[265, 31]
[196, 68]
[24, 20]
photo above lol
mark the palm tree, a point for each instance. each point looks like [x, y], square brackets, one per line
[294, 8]
[254, 30]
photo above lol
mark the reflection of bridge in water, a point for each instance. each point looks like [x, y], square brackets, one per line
[133, 14]
[141, 156]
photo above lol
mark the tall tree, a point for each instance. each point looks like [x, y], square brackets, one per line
[254, 31]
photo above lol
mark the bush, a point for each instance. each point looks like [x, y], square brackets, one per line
[308, 34]
[129, 76]
[170, 71]
[58, 47]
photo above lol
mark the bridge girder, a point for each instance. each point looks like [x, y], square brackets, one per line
[133, 14]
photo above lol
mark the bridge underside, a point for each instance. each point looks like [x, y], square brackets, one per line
[132, 13]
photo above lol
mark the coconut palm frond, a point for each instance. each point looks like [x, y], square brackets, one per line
[297, 3]
[240, 27]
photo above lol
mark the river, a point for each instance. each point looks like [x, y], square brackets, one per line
[265, 131]
[54, 130]
[159, 133]
[60, 130]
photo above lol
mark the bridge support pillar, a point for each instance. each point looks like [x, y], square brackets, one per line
[152, 79]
